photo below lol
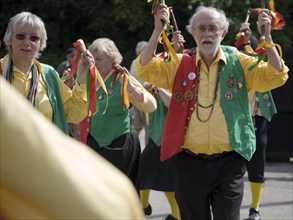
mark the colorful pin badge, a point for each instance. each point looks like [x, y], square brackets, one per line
[110, 91]
[240, 82]
[178, 96]
[188, 95]
[184, 83]
[229, 95]
[101, 97]
[230, 83]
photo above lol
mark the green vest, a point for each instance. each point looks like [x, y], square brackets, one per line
[266, 104]
[51, 81]
[235, 104]
[115, 121]
[157, 120]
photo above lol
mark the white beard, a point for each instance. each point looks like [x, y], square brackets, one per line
[212, 50]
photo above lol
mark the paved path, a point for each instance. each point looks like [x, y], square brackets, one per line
[277, 199]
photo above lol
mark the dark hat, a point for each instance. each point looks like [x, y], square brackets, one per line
[69, 51]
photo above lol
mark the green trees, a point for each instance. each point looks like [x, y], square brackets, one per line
[126, 22]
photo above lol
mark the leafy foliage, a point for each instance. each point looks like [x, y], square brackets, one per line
[127, 22]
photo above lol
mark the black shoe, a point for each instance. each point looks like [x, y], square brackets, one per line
[169, 217]
[148, 210]
[254, 214]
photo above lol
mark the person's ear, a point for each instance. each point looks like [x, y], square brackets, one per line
[224, 34]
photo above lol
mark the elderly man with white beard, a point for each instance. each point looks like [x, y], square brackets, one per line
[209, 130]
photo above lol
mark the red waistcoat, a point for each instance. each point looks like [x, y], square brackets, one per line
[181, 107]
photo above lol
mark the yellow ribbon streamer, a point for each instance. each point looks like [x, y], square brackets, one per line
[101, 81]
[265, 44]
[169, 46]
[125, 93]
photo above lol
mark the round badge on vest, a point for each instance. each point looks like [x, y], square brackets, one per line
[229, 95]
[266, 97]
[178, 96]
[188, 95]
[101, 97]
[184, 83]
[191, 76]
[240, 82]
[230, 83]
[110, 91]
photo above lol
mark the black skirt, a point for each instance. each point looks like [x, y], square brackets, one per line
[153, 173]
[124, 153]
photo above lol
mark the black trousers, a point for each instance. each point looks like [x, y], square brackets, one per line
[256, 166]
[206, 188]
[123, 152]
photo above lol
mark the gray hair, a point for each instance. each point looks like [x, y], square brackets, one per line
[140, 47]
[224, 19]
[108, 47]
[25, 19]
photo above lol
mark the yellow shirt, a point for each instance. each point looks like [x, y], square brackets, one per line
[211, 137]
[48, 175]
[74, 101]
[252, 101]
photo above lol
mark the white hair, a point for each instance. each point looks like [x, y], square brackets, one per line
[107, 47]
[24, 19]
[224, 19]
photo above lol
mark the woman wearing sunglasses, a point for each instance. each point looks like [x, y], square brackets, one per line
[25, 39]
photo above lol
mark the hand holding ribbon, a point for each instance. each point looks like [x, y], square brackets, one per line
[123, 72]
[241, 38]
[264, 27]
[87, 62]
[163, 12]
[277, 20]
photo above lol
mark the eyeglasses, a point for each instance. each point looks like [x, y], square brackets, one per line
[32, 38]
[202, 29]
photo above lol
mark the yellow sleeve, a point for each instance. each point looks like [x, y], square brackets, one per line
[264, 77]
[158, 72]
[74, 101]
[52, 176]
[149, 103]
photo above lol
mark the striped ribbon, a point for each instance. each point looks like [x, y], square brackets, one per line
[261, 52]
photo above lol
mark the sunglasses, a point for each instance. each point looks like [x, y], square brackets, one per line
[32, 38]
